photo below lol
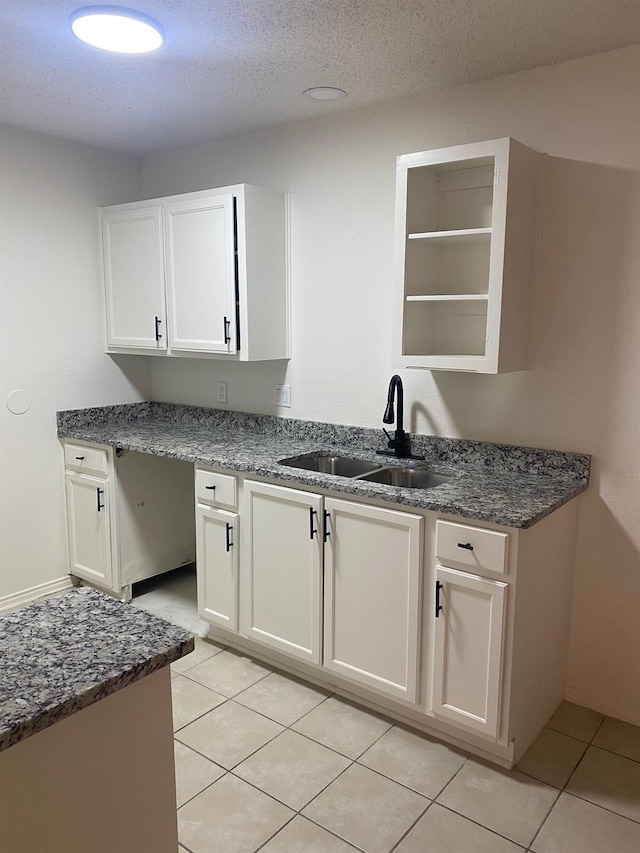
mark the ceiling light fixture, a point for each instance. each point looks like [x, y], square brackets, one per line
[325, 93]
[117, 29]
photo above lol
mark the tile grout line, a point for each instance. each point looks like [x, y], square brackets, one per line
[213, 761]
[206, 788]
[466, 817]
[563, 789]
[289, 726]
[446, 785]
[545, 818]
[599, 806]
[483, 826]
[410, 828]
[195, 681]
[273, 835]
[477, 823]
[320, 743]
[613, 752]
[560, 788]
[200, 716]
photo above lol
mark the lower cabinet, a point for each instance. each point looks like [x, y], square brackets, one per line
[433, 619]
[282, 569]
[371, 561]
[467, 651]
[372, 595]
[89, 528]
[129, 515]
[217, 534]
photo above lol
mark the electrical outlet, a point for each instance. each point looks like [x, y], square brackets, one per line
[222, 392]
[283, 395]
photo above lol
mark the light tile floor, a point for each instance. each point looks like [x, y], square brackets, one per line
[266, 762]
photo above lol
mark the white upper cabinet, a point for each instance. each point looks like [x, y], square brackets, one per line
[201, 282]
[200, 274]
[465, 244]
[134, 278]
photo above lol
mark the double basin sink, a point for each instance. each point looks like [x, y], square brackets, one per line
[372, 472]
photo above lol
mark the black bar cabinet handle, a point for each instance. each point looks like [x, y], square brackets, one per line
[466, 545]
[327, 532]
[229, 543]
[439, 607]
[80, 458]
[99, 492]
[312, 530]
[158, 335]
[212, 488]
[227, 328]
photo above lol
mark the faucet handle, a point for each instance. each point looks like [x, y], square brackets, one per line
[391, 440]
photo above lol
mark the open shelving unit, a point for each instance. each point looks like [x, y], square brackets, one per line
[463, 293]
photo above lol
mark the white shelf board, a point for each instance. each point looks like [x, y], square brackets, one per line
[463, 235]
[450, 297]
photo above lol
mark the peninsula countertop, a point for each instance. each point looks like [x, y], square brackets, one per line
[65, 653]
[501, 484]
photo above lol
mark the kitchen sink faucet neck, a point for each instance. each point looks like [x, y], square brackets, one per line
[398, 444]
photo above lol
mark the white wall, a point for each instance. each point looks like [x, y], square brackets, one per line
[583, 393]
[50, 340]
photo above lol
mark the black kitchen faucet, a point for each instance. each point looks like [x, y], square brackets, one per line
[398, 444]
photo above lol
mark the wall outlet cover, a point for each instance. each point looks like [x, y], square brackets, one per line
[222, 392]
[283, 395]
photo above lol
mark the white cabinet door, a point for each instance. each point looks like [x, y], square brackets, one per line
[217, 535]
[201, 284]
[467, 654]
[281, 602]
[372, 597]
[134, 278]
[88, 519]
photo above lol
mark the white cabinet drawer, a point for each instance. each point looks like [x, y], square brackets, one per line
[218, 489]
[78, 457]
[473, 548]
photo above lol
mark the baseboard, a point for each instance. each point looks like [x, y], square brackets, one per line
[43, 590]
[603, 706]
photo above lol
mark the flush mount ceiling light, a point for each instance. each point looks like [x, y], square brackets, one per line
[325, 93]
[117, 29]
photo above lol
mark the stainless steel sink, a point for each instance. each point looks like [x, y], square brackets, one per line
[407, 478]
[325, 463]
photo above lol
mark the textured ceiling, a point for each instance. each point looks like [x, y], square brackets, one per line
[231, 66]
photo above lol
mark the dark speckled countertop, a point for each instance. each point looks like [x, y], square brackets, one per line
[61, 655]
[497, 483]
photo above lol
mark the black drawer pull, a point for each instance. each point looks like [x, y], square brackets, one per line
[212, 488]
[80, 458]
[466, 545]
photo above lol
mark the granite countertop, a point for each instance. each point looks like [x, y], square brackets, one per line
[63, 654]
[501, 484]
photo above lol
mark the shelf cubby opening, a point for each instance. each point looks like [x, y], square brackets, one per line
[446, 268]
[445, 327]
[450, 197]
